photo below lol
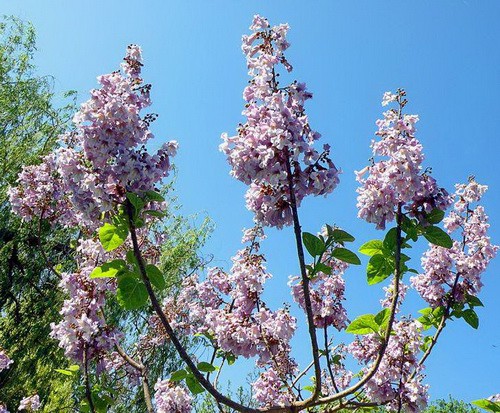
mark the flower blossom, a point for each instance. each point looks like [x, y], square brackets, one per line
[326, 293]
[5, 361]
[172, 398]
[83, 181]
[398, 379]
[459, 268]
[31, 403]
[227, 307]
[102, 159]
[276, 137]
[399, 179]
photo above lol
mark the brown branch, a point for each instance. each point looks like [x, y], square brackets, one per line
[143, 372]
[170, 332]
[88, 391]
[305, 285]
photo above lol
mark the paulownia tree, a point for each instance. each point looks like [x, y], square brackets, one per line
[103, 180]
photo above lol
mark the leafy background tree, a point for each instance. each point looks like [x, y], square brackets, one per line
[30, 120]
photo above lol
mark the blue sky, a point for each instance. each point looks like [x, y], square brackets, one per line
[445, 53]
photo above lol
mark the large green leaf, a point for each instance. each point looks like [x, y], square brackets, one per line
[156, 276]
[437, 236]
[435, 216]
[206, 367]
[109, 269]
[346, 255]
[153, 196]
[488, 405]
[314, 245]
[471, 318]
[340, 235]
[194, 386]
[372, 247]
[378, 269]
[112, 236]
[132, 292]
[178, 375]
[364, 324]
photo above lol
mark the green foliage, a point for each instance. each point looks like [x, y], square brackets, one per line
[370, 323]
[29, 298]
[487, 405]
[437, 236]
[452, 405]
[112, 236]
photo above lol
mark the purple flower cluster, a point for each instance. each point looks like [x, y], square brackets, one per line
[5, 361]
[276, 136]
[399, 179]
[87, 177]
[83, 328]
[458, 269]
[397, 381]
[40, 193]
[228, 306]
[102, 159]
[172, 398]
[326, 292]
[30, 404]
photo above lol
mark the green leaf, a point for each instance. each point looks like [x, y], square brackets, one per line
[382, 318]
[435, 216]
[109, 269]
[100, 404]
[378, 269]
[65, 372]
[471, 318]
[156, 276]
[154, 213]
[364, 324]
[474, 301]
[410, 228]
[346, 255]
[132, 292]
[193, 385]
[438, 237]
[84, 406]
[390, 239]
[130, 256]
[74, 368]
[487, 405]
[314, 245]
[178, 375]
[320, 267]
[137, 202]
[372, 248]
[231, 358]
[340, 235]
[112, 236]
[427, 342]
[153, 196]
[205, 367]
[309, 388]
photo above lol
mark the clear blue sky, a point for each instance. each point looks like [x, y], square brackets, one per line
[445, 53]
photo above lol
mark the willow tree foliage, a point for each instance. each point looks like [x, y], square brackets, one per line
[31, 118]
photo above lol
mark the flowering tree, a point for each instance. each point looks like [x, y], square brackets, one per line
[103, 181]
